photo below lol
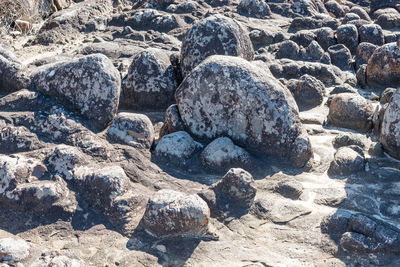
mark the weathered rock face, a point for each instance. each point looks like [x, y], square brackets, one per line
[228, 96]
[384, 66]
[351, 111]
[215, 35]
[132, 129]
[390, 132]
[172, 213]
[222, 154]
[89, 85]
[12, 77]
[151, 81]
[237, 187]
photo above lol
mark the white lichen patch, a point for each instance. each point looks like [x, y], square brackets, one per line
[177, 145]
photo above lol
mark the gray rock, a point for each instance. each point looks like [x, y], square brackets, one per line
[314, 52]
[347, 161]
[13, 250]
[290, 188]
[360, 12]
[351, 111]
[350, 17]
[308, 7]
[215, 35]
[387, 95]
[173, 121]
[371, 33]
[18, 139]
[177, 146]
[212, 103]
[307, 91]
[222, 154]
[340, 56]
[345, 88]
[389, 134]
[303, 38]
[363, 53]
[12, 76]
[288, 49]
[89, 85]
[151, 81]
[348, 35]
[326, 37]
[257, 8]
[334, 8]
[350, 139]
[362, 75]
[171, 213]
[388, 21]
[132, 129]
[237, 188]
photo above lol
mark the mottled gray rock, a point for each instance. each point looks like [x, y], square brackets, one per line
[315, 22]
[348, 35]
[89, 85]
[351, 111]
[347, 161]
[350, 17]
[18, 139]
[326, 37]
[172, 213]
[344, 88]
[360, 12]
[350, 139]
[313, 52]
[237, 188]
[334, 8]
[177, 146]
[288, 49]
[362, 75]
[371, 33]
[303, 38]
[307, 91]
[222, 154]
[257, 8]
[215, 35]
[13, 250]
[377, 4]
[132, 129]
[388, 21]
[390, 127]
[308, 7]
[151, 81]
[173, 121]
[229, 96]
[340, 56]
[384, 66]
[363, 53]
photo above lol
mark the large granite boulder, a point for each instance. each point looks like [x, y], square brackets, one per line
[229, 96]
[215, 35]
[89, 85]
[390, 131]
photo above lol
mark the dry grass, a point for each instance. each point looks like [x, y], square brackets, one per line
[12, 10]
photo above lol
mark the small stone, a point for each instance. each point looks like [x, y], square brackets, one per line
[349, 139]
[288, 49]
[347, 161]
[177, 146]
[307, 91]
[173, 121]
[290, 188]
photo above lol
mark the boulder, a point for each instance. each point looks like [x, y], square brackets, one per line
[222, 154]
[132, 129]
[303, 38]
[215, 35]
[347, 161]
[348, 35]
[308, 7]
[14, 250]
[151, 81]
[177, 147]
[326, 37]
[340, 56]
[89, 85]
[171, 213]
[334, 8]
[371, 33]
[18, 139]
[12, 76]
[350, 139]
[363, 53]
[256, 8]
[383, 69]
[351, 111]
[229, 96]
[387, 95]
[360, 12]
[313, 52]
[307, 91]
[390, 133]
[288, 49]
[388, 21]
[290, 188]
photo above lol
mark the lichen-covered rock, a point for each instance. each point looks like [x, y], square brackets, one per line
[308, 7]
[12, 76]
[326, 37]
[383, 67]
[350, 139]
[390, 131]
[90, 85]
[303, 38]
[132, 129]
[18, 139]
[348, 35]
[229, 96]
[222, 154]
[363, 53]
[360, 12]
[257, 8]
[13, 250]
[340, 56]
[351, 111]
[151, 81]
[173, 121]
[290, 188]
[371, 33]
[288, 49]
[307, 91]
[387, 95]
[388, 21]
[347, 161]
[237, 188]
[334, 8]
[172, 213]
[313, 52]
[215, 35]
[178, 145]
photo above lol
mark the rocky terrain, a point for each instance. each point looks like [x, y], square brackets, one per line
[200, 133]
